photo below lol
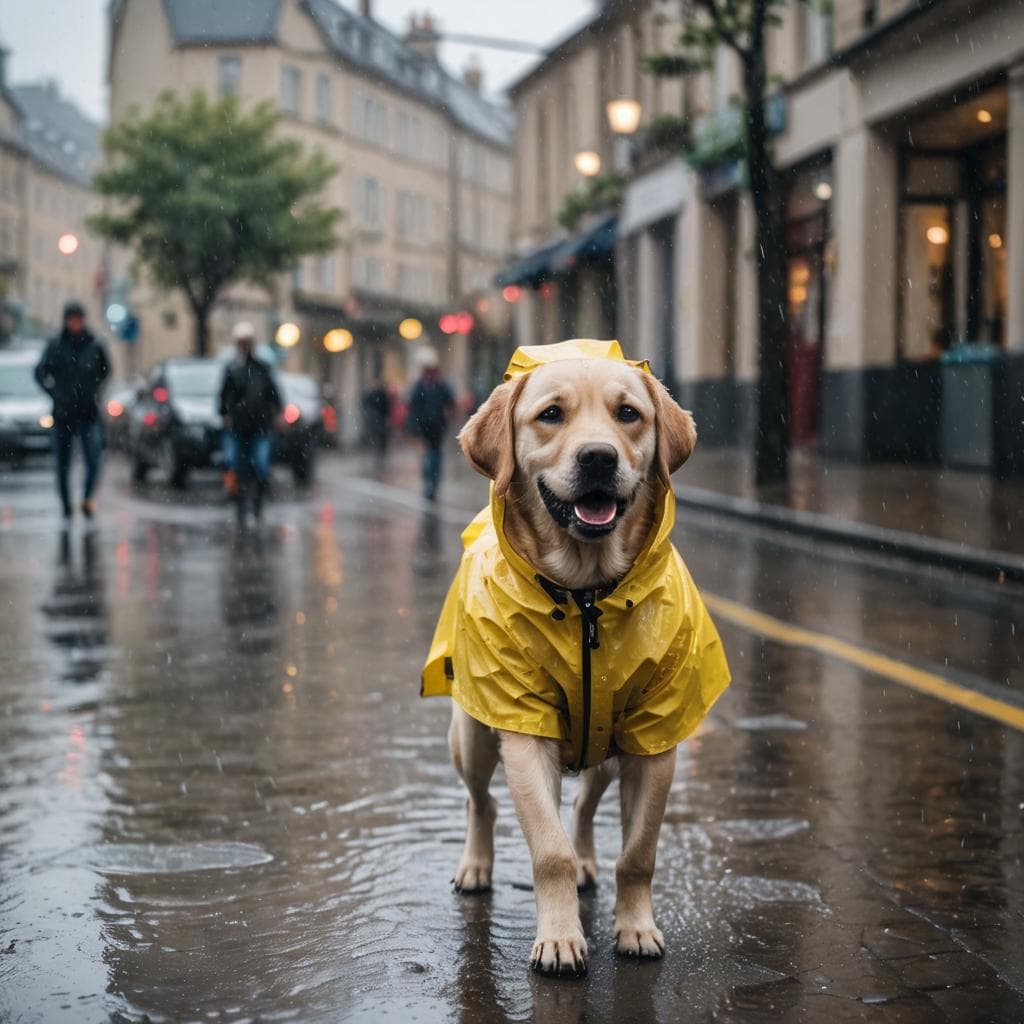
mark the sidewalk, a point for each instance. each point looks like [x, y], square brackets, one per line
[962, 520]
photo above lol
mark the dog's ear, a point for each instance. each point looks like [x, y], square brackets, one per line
[676, 431]
[488, 440]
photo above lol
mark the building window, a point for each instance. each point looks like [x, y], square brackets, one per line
[369, 119]
[369, 203]
[229, 75]
[411, 217]
[325, 274]
[323, 97]
[291, 90]
[815, 30]
[367, 273]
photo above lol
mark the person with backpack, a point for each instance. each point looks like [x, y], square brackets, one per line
[71, 371]
[431, 403]
[250, 404]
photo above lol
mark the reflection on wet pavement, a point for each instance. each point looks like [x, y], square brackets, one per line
[222, 799]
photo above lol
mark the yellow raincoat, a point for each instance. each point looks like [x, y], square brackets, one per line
[634, 669]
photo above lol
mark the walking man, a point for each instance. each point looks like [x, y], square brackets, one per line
[72, 371]
[431, 404]
[249, 404]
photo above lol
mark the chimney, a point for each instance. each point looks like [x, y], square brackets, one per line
[366, 8]
[423, 36]
[473, 75]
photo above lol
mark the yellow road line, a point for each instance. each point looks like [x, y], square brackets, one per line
[877, 664]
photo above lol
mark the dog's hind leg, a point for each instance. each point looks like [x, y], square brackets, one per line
[593, 783]
[474, 750]
[644, 785]
[534, 772]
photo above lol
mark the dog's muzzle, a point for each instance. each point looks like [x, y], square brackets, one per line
[592, 514]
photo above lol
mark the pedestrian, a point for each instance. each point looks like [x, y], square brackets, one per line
[376, 413]
[71, 371]
[250, 404]
[431, 403]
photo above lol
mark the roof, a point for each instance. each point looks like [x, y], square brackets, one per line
[56, 133]
[354, 39]
[222, 21]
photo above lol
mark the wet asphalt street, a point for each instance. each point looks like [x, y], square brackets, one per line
[221, 798]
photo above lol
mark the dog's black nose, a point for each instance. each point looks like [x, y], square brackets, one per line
[601, 457]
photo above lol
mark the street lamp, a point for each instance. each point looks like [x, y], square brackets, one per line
[588, 163]
[410, 328]
[67, 244]
[623, 119]
[338, 340]
[288, 335]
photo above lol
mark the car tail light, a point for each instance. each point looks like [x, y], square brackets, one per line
[114, 407]
[149, 419]
[161, 394]
[291, 413]
[330, 419]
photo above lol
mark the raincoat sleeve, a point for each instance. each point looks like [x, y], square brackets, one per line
[692, 675]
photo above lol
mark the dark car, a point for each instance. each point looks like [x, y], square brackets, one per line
[300, 433]
[175, 424]
[25, 418]
[117, 412]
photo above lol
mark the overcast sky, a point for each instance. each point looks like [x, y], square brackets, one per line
[66, 39]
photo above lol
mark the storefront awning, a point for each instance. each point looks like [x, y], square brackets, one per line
[593, 244]
[530, 269]
[547, 261]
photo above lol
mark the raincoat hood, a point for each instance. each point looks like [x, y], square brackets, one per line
[632, 668]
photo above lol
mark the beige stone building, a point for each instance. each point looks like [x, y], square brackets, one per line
[48, 152]
[425, 171]
[899, 129]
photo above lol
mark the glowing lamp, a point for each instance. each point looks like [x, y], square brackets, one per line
[114, 408]
[288, 335]
[410, 328]
[588, 163]
[46, 421]
[995, 241]
[68, 243]
[161, 394]
[338, 340]
[291, 413]
[984, 116]
[511, 293]
[937, 234]
[823, 191]
[623, 116]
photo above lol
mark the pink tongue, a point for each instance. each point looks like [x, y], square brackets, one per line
[596, 515]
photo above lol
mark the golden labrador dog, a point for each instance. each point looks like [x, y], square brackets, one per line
[571, 565]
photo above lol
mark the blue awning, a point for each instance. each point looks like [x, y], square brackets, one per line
[546, 262]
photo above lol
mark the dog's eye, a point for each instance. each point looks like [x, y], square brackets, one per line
[552, 414]
[627, 414]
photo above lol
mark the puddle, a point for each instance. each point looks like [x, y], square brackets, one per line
[758, 830]
[752, 890]
[153, 859]
[763, 722]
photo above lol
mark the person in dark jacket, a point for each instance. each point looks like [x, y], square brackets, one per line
[71, 371]
[250, 404]
[431, 404]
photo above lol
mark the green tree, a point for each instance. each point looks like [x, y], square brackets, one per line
[206, 196]
[742, 26]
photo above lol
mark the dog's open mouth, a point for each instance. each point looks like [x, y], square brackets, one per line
[593, 514]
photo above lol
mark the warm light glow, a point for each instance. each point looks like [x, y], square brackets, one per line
[288, 335]
[623, 116]
[797, 294]
[985, 116]
[161, 394]
[410, 328]
[149, 419]
[68, 243]
[483, 304]
[937, 234]
[456, 323]
[291, 413]
[46, 421]
[588, 163]
[338, 340]
[995, 240]
[114, 407]
[823, 191]
[800, 274]
[511, 293]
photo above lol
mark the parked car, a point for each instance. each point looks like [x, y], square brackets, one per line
[117, 411]
[175, 424]
[300, 434]
[25, 419]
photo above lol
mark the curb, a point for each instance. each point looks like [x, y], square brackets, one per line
[996, 566]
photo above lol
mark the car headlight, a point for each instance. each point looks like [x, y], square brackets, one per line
[46, 421]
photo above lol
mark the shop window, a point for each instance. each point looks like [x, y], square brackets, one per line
[927, 316]
[992, 286]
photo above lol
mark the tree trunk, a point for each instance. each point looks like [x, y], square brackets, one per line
[202, 330]
[771, 450]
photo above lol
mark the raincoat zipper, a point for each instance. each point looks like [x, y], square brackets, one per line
[589, 614]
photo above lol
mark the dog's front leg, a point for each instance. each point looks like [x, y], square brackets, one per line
[533, 772]
[644, 785]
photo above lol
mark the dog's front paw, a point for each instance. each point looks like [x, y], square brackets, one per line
[564, 955]
[473, 876]
[642, 940]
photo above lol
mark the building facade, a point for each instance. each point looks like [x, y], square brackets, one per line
[899, 131]
[48, 153]
[424, 171]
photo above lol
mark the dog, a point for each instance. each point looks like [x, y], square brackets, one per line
[573, 637]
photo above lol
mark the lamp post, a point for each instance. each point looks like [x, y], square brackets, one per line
[623, 119]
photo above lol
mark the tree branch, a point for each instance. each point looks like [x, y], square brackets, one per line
[725, 33]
